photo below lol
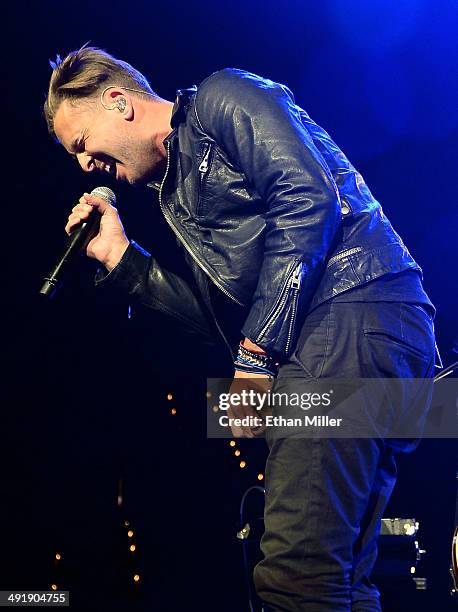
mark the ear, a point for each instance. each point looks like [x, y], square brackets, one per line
[115, 98]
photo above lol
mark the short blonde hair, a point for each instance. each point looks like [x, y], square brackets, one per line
[83, 73]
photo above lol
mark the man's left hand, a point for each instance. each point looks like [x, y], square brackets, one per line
[244, 381]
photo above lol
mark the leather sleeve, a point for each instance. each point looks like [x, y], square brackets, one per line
[140, 277]
[256, 122]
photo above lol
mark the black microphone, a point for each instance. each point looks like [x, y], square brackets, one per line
[76, 242]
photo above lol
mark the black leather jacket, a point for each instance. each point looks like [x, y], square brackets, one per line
[267, 208]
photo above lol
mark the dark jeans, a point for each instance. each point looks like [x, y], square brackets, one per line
[325, 496]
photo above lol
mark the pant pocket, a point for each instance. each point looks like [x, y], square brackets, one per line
[402, 341]
[313, 344]
[405, 327]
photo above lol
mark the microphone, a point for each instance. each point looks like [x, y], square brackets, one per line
[77, 241]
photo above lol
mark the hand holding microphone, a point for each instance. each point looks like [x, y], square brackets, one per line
[93, 225]
[109, 244]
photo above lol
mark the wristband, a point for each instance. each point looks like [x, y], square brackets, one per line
[256, 363]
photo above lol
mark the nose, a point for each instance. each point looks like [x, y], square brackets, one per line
[85, 161]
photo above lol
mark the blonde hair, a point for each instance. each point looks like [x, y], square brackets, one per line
[83, 73]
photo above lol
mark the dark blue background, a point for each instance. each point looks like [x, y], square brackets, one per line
[84, 392]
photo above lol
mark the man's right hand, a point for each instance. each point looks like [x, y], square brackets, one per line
[110, 244]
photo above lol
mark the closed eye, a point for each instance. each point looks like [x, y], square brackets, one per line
[77, 147]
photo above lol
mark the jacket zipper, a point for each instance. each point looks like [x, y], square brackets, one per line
[183, 240]
[343, 254]
[295, 286]
[203, 168]
[292, 282]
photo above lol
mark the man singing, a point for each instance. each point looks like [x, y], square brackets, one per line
[275, 223]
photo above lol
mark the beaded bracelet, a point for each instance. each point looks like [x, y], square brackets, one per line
[250, 361]
[242, 366]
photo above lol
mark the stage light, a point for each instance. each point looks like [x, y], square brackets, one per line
[136, 578]
[232, 443]
[169, 396]
[58, 557]
[54, 587]
[173, 411]
[243, 464]
[130, 533]
[132, 548]
[126, 523]
[237, 453]
[208, 395]
[260, 476]
[215, 408]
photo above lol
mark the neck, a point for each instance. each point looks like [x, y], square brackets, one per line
[161, 119]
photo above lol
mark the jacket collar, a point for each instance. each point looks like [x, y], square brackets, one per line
[180, 107]
[179, 110]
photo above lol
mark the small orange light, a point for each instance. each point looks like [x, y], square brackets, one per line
[130, 533]
[208, 395]
[173, 411]
[237, 453]
[58, 557]
[243, 464]
[215, 408]
[232, 443]
[169, 396]
[260, 476]
[126, 523]
[54, 587]
[136, 578]
[132, 548]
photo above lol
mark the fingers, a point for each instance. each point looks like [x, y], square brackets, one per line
[81, 212]
[247, 397]
[237, 431]
[241, 420]
[103, 206]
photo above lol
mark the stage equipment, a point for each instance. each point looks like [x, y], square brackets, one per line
[398, 558]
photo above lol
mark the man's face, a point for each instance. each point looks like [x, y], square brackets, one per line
[103, 140]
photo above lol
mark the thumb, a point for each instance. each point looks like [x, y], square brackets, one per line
[100, 204]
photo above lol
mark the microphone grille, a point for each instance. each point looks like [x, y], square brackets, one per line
[106, 194]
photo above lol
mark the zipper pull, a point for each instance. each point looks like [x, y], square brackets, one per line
[296, 278]
[204, 163]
